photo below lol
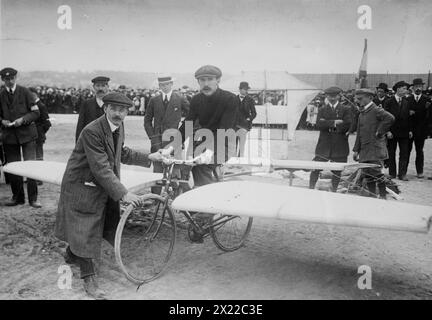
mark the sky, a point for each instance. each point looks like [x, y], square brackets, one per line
[298, 36]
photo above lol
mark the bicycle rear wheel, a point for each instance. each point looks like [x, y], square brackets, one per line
[230, 232]
[145, 239]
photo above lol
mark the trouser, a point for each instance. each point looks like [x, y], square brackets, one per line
[403, 156]
[204, 174]
[86, 264]
[419, 160]
[374, 177]
[336, 174]
[13, 153]
[39, 150]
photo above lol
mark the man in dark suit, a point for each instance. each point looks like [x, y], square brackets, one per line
[381, 95]
[89, 207]
[370, 146]
[42, 124]
[18, 113]
[420, 110]
[333, 121]
[164, 112]
[246, 113]
[400, 132]
[92, 108]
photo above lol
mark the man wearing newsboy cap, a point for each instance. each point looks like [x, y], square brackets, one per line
[18, 113]
[92, 108]
[88, 208]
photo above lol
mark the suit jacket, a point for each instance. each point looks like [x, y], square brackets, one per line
[403, 122]
[89, 111]
[246, 112]
[22, 106]
[422, 117]
[333, 141]
[380, 103]
[92, 176]
[372, 122]
[42, 123]
[157, 119]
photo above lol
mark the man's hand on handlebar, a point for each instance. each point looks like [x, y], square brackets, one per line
[156, 157]
[132, 198]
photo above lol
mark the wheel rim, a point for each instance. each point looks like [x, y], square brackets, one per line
[144, 243]
[230, 232]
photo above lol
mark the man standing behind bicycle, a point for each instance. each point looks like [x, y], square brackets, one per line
[213, 109]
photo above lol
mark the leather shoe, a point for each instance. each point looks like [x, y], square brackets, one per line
[403, 178]
[92, 289]
[420, 176]
[12, 203]
[70, 258]
[35, 204]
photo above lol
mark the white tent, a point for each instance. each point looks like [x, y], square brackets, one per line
[297, 95]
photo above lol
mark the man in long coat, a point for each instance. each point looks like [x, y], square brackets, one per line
[371, 146]
[333, 121]
[89, 208]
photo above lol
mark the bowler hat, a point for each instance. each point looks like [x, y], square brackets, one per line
[118, 99]
[8, 72]
[208, 71]
[418, 81]
[244, 85]
[383, 86]
[400, 84]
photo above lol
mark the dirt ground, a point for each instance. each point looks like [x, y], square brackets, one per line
[281, 259]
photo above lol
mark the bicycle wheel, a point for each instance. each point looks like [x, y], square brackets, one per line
[145, 239]
[230, 232]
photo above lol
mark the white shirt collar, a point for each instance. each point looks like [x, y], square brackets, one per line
[12, 89]
[417, 97]
[368, 105]
[113, 127]
[398, 98]
[166, 94]
[99, 102]
[333, 106]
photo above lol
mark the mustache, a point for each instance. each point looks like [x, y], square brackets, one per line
[206, 88]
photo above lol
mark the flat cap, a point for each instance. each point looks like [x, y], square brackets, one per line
[333, 90]
[208, 71]
[8, 72]
[118, 99]
[400, 84]
[365, 91]
[100, 79]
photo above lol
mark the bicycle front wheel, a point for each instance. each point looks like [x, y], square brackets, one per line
[145, 239]
[230, 232]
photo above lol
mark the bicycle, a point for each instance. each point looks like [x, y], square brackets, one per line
[146, 234]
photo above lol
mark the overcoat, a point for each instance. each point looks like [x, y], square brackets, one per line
[91, 179]
[373, 124]
[89, 111]
[333, 141]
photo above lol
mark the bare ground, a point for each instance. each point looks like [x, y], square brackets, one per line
[281, 259]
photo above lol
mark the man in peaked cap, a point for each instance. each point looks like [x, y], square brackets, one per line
[163, 112]
[246, 113]
[420, 110]
[18, 113]
[89, 208]
[92, 108]
[370, 146]
[400, 132]
[333, 121]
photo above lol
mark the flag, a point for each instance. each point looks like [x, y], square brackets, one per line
[362, 74]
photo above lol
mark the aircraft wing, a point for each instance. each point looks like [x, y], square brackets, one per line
[52, 172]
[263, 199]
[296, 164]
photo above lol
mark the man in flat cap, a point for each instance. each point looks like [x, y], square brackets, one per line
[333, 121]
[381, 94]
[92, 108]
[163, 112]
[420, 109]
[18, 113]
[212, 108]
[370, 146]
[89, 208]
[400, 132]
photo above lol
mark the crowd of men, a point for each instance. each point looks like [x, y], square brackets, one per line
[88, 209]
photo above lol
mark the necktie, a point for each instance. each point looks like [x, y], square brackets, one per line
[115, 138]
[166, 100]
[10, 96]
